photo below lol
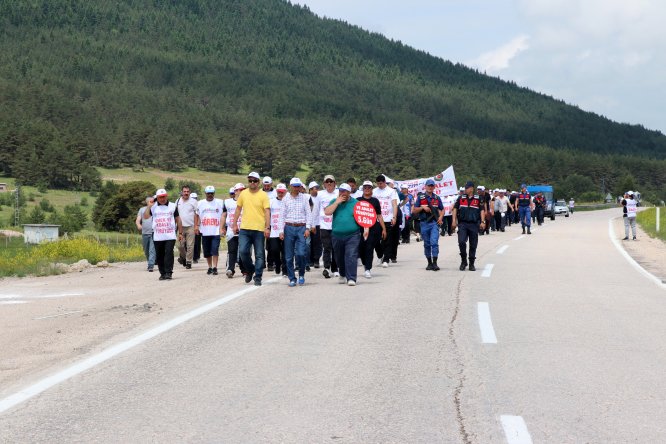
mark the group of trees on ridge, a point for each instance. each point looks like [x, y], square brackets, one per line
[232, 85]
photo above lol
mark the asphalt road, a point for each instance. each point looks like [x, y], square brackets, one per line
[574, 354]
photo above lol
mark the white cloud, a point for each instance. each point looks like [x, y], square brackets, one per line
[498, 59]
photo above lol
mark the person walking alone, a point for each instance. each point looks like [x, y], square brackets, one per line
[629, 210]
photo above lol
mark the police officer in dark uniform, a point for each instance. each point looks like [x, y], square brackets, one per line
[524, 208]
[469, 215]
[540, 207]
[430, 210]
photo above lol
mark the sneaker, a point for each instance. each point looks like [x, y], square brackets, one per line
[230, 273]
[162, 277]
[384, 264]
[394, 261]
[634, 237]
[248, 278]
[380, 261]
[168, 276]
[342, 280]
[271, 268]
[188, 265]
[292, 283]
[326, 273]
[368, 275]
[625, 238]
[214, 271]
[336, 274]
[351, 283]
[316, 265]
[307, 268]
[150, 269]
[210, 271]
[277, 270]
[257, 282]
[181, 261]
[301, 280]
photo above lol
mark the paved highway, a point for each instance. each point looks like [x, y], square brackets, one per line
[555, 339]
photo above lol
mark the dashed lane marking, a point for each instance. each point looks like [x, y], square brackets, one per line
[515, 429]
[58, 315]
[487, 271]
[519, 237]
[502, 249]
[486, 324]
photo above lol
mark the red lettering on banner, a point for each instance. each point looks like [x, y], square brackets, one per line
[365, 214]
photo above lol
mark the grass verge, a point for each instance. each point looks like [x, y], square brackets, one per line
[647, 219]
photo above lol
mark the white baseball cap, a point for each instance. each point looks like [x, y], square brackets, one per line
[345, 187]
[281, 187]
[254, 175]
[481, 187]
[267, 180]
[313, 184]
[209, 189]
[366, 183]
[194, 196]
[295, 182]
[161, 192]
[232, 190]
[239, 186]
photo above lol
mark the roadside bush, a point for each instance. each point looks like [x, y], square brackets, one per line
[36, 216]
[591, 196]
[116, 211]
[45, 205]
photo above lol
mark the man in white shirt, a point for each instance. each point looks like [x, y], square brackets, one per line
[208, 223]
[629, 210]
[267, 186]
[571, 205]
[187, 207]
[165, 223]
[388, 200]
[325, 196]
[315, 237]
[274, 244]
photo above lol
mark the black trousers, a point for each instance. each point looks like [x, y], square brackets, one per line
[499, 221]
[232, 255]
[406, 231]
[327, 248]
[164, 256]
[385, 246]
[275, 247]
[197, 247]
[367, 246]
[395, 241]
[468, 230]
[315, 247]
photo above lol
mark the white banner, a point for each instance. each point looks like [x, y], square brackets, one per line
[445, 184]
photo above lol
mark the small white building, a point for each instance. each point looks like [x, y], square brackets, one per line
[3, 187]
[38, 233]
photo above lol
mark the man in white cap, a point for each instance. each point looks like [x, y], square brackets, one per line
[315, 235]
[346, 234]
[254, 228]
[274, 244]
[186, 209]
[232, 238]
[208, 223]
[375, 234]
[165, 222]
[267, 184]
[295, 224]
[326, 196]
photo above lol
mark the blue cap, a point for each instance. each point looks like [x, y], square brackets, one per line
[430, 182]
[523, 186]
[469, 184]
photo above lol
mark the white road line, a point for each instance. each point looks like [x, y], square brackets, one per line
[519, 237]
[487, 271]
[502, 249]
[86, 364]
[486, 324]
[9, 296]
[53, 296]
[58, 315]
[627, 256]
[12, 302]
[515, 430]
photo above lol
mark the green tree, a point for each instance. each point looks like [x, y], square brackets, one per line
[118, 211]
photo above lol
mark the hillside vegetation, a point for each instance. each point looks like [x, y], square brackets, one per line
[227, 85]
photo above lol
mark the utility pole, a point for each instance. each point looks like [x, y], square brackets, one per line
[17, 210]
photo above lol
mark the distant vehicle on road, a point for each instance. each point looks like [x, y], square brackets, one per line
[561, 207]
[547, 191]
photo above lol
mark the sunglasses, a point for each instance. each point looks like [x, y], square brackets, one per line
[329, 181]
[209, 194]
[367, 186]
[253, 180]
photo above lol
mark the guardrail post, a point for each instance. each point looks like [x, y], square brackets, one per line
[657, 224]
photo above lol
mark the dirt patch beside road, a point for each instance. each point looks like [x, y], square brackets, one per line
[49, 322]
[649, 252]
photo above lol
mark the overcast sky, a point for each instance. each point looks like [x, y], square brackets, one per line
[606, 56]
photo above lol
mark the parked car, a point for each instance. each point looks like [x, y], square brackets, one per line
[561, 207]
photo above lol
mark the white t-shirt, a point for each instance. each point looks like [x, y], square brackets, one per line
[230, 205]
[272, 194]
[186, 210]
[210, 215]
[571, 203]
[356, 194]
[325, 198]
[164, 222]
[315, 210]
[631, 208]
[276, 209]
[386, 197]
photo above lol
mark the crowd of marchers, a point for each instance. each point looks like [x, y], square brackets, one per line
[291, 229]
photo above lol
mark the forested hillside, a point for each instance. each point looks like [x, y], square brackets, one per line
[224, 85]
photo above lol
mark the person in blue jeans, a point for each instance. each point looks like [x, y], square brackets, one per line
[146, 228]
[345, 234]
[429, 208]
[525, 205]
[294, 226]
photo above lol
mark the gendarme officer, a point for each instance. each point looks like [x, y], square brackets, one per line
[468, 215]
